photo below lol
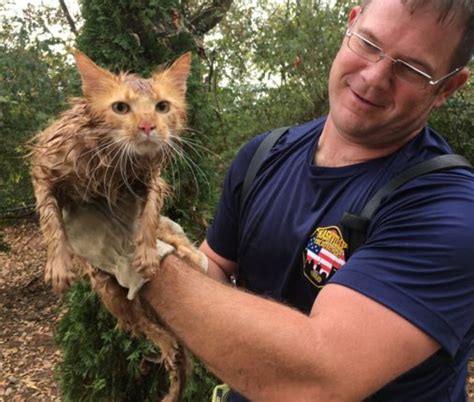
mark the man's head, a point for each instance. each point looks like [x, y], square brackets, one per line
[371, 100]
[449, 11]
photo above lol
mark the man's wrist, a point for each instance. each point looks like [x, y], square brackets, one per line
[169, 262]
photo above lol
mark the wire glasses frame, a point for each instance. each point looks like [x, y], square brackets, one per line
[368, 50]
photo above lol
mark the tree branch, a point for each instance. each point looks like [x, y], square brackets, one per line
[209, 17]
[68, 17]
[18, 213]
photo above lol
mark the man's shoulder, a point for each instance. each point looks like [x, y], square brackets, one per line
[439, 194]
[445, 196]
[300, 131]
[427, 144]
[294, 134]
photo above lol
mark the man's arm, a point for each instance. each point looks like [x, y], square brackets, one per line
[219, 267]
[347, 348]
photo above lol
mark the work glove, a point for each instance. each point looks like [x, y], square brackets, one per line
[105, 243]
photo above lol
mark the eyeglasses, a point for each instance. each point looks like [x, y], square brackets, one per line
[403, 70]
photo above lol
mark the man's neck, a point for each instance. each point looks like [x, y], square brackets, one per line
[336, 150]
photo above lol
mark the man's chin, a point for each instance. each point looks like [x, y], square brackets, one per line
[356, 124]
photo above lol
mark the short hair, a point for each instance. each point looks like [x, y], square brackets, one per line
[461, 10]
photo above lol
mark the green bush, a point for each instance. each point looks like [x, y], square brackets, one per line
[100, 362]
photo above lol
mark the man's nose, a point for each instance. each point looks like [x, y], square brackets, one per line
[379, 74]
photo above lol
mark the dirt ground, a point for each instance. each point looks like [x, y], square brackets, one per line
[28, 314]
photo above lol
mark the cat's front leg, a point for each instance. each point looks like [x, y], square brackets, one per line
[58, 268]
[173, 234]
[146, 259]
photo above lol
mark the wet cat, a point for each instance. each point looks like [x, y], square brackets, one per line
[96, 174]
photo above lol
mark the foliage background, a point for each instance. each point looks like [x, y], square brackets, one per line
[260, 67]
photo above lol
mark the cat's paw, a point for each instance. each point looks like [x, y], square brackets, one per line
[146, 261]
[59, 272]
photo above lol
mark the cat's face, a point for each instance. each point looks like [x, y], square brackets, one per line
[144, 114]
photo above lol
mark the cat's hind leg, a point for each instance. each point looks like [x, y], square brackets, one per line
[173, 356]
[138, 317]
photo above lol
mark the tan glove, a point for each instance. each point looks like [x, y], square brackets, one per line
[100, 238]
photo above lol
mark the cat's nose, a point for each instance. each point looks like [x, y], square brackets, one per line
[146, 127]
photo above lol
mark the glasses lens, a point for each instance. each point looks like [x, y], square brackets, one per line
[367, 50]
[408, 74]
[363, 48]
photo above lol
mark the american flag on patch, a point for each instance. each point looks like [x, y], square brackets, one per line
[323, 258]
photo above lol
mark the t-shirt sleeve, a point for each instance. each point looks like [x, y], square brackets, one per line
[222, 234]
[417, 259]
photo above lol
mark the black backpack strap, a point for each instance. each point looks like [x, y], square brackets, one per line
[358, 223]
[256, 162]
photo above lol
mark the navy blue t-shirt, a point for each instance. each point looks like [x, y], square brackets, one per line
[288, 242]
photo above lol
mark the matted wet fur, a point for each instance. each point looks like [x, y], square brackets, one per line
[104, 156]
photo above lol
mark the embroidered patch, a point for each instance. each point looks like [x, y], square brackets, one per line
[324, 255]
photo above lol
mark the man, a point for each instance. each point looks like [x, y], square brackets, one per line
[395, 321]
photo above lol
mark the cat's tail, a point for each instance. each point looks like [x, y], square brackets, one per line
[139, 318]
[174, 355]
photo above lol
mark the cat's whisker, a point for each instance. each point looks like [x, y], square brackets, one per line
[193, 144]
[200, 173]
[122, 163]
[174, 150]
[127, 159]
[119, 165]
[94, 152]
[193, 167]
[101, 144]
[134, 162]
[98, 148]
[174, 169]
[109, 187]
[98, 152]
[182, 154]
[90, 176]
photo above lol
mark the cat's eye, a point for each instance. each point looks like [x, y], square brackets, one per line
[120, 107]
[162, 107]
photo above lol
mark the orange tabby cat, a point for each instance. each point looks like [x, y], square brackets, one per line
[101, 159]
[110, 144]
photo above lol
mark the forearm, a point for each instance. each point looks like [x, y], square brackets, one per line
[261, 348]
[216, 273]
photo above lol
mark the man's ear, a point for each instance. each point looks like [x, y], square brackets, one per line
[353, 14]
[450, 86]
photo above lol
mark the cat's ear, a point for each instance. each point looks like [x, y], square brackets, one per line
[94, 79]
[179, 71]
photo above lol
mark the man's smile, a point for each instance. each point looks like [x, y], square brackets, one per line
[365, 100]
